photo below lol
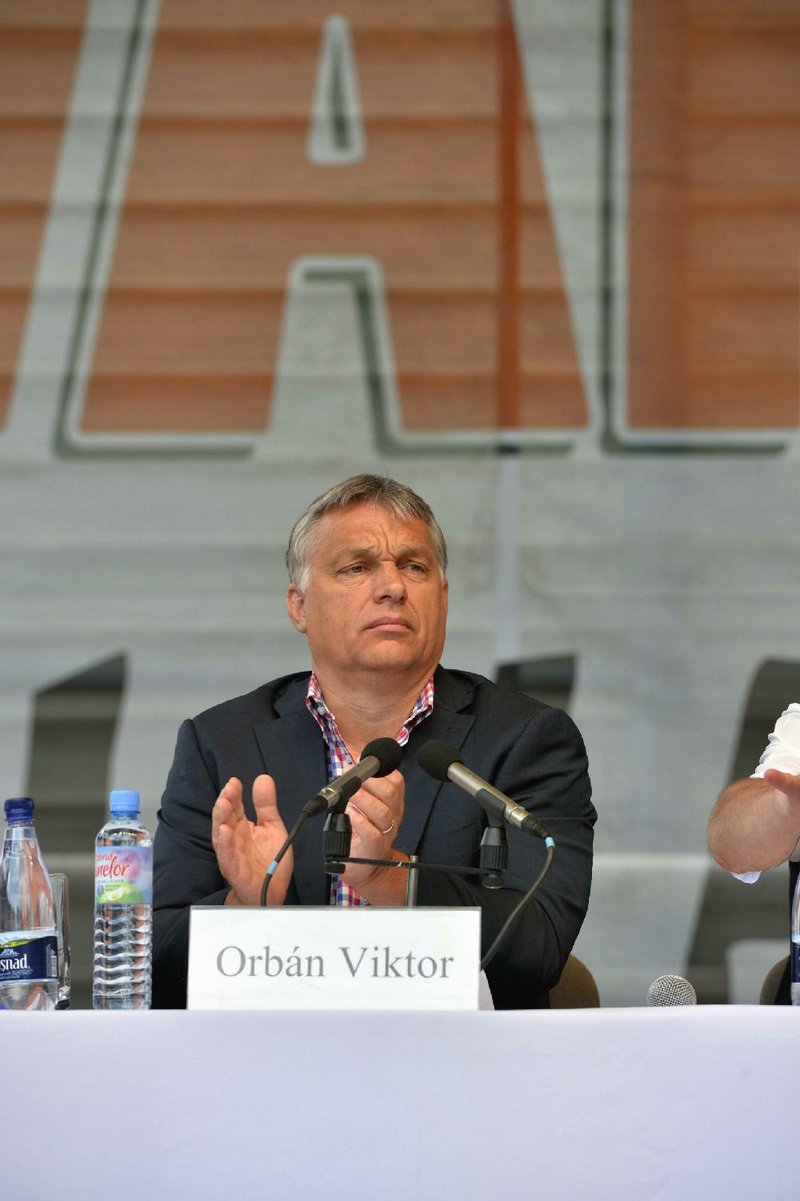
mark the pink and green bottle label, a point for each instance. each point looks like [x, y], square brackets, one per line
[123, 876]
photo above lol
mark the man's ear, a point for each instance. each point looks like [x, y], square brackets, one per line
[296, 608]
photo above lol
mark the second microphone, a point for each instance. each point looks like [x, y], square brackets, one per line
[443, 762]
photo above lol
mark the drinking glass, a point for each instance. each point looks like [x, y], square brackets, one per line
[60, 884]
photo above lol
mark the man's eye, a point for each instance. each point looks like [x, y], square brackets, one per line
[416, 568]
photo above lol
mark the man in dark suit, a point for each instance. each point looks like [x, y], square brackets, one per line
[367, 566]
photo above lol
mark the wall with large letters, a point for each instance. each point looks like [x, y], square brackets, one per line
[538, 260]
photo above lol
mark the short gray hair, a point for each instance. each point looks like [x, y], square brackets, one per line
[379, 490]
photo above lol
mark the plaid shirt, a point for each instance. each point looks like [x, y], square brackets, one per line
[339, 758]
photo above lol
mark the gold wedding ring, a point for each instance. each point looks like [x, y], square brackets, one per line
[389, 829]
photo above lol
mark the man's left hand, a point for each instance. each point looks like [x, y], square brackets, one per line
[376, 812]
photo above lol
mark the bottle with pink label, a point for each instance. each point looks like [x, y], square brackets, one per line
[123, 908]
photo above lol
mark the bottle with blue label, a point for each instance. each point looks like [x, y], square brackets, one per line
[28, 945]
[123, 908]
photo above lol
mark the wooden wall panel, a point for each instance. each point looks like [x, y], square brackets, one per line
[277, 16]
[714, 216]
[38, 51]
[222, 198]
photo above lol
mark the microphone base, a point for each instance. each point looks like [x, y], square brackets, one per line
[492, 880]
[336, 841]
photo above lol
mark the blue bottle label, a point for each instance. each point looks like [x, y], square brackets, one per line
[28, 959]
[123, 876]
[795, 962]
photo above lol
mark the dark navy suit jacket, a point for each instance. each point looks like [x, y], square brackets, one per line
[528, 750]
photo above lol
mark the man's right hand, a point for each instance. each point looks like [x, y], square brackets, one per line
[755, 824]
[786, 783]
[245, 849]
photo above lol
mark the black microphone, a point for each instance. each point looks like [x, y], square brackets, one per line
[443, 762]
[671, 990]
[378, 758]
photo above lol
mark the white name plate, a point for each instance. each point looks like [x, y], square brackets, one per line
[327, 958]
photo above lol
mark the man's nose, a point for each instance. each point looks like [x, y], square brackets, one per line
[390, 582]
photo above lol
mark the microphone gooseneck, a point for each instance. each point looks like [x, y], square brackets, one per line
[443, 762]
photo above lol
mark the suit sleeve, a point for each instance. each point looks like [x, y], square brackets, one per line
[185, 870]
[545, 769]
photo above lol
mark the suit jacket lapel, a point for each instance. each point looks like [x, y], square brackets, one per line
[447, 724]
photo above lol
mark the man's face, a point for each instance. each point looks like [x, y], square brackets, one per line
[375, 598]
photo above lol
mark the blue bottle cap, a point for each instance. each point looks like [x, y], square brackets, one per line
[124, 802]
[19, 809]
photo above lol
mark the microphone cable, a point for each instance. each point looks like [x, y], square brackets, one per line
[273, 867]
[523, 901]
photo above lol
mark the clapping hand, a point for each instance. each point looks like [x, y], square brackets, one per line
[245, 849]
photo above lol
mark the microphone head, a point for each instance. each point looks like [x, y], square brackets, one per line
[436, 757]
[388, 753]
[671, 990]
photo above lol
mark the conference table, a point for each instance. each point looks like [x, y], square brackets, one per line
[692, 1102]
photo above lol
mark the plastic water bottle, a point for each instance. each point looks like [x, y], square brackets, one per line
[795, 944]
[123, 908]
[28, 954]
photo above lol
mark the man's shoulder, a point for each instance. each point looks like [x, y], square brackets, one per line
[265, 703]
[503, 718]
[466, 689]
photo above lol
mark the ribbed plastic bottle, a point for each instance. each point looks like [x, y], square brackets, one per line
[123, 908]
[28, 947]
